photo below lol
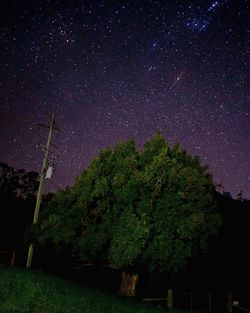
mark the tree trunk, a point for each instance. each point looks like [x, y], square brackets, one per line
[128, 284]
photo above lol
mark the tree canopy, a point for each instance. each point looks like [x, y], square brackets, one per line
[152, 208]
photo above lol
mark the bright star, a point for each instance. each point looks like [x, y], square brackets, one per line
[178, 78]
[213, 6]
[198, 24]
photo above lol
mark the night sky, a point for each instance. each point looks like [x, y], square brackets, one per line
[112, 70]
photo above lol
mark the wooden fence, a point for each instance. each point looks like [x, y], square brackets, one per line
[205, 301]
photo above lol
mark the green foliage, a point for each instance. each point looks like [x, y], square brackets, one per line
[29, 292]
[155, 207]
[128, 239]
[62, 208]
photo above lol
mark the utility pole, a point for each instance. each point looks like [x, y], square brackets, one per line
[41, 186]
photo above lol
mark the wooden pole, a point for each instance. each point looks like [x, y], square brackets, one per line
[40, 188]
[191, 300]
[13, 256]
[230, 303]
[210, 302]
[170, 299]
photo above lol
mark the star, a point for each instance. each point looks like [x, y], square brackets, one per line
[178, 79]
[198, 24]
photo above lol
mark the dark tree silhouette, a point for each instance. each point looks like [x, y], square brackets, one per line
[17, 198]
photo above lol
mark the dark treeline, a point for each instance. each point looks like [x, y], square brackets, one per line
[225, 267]
[227, 263]
[18, 194]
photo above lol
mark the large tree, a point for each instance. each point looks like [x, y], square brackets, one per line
[153, 208]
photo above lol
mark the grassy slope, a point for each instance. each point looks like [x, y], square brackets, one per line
[24, 291]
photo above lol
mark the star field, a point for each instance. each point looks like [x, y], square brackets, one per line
[115, 70]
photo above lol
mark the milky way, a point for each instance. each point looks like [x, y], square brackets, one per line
[121, 69]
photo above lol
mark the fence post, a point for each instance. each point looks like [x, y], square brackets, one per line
[209, 302]
[230, 303]
[13, 256]
[170, 299]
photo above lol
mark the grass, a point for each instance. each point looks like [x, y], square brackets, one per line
[23, 291]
